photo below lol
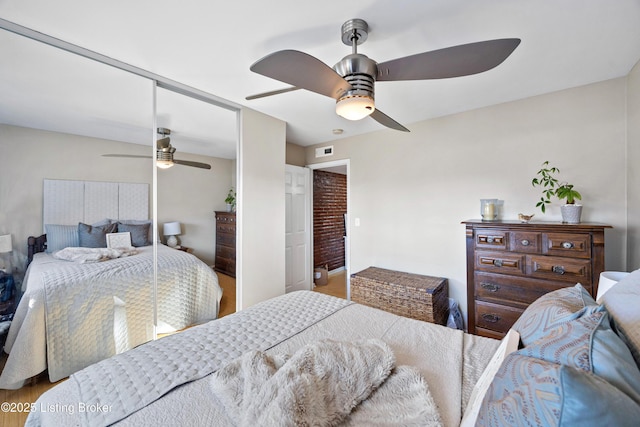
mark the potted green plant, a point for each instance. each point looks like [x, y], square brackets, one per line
[546, 178]
[231, 200]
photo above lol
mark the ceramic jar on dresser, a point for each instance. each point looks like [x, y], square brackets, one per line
[510, 264]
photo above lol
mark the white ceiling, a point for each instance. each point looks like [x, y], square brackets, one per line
[210, 46]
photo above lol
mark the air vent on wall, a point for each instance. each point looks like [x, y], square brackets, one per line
[324, 151]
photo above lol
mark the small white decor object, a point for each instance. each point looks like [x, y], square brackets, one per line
[118, 240]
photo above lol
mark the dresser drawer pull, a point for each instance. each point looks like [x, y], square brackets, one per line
[567, 245]
[525, 242]
[489, 239]
[558, 269]
[491, 318]
[497, 262]
[491, 287]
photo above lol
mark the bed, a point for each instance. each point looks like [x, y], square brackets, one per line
[575, 362]
[74, 314]
[84, 301]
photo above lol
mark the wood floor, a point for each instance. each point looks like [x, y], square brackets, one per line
[31, 392]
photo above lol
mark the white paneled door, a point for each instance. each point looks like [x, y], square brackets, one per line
[298, 228]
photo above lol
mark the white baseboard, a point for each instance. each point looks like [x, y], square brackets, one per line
[336, 270]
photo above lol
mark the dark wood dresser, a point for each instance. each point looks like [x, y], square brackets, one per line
[225, 261]
[510, 264]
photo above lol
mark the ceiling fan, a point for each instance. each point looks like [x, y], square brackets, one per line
[351, 81]
[164, 153]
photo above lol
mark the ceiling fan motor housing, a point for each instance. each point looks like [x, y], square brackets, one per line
[359, 71]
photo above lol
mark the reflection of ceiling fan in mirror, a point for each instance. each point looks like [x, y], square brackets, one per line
[164, 153]
[351, 81]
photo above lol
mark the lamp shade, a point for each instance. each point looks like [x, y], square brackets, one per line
[607, 280]
[5, 243]
[172, 229]
[355, 107]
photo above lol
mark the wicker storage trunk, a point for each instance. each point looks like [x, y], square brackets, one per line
[405, 294]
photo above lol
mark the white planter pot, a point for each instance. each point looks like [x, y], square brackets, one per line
[571, 213]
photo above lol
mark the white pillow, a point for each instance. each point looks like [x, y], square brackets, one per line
[508, 345]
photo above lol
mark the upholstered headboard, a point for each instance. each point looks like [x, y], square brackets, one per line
[70, 202]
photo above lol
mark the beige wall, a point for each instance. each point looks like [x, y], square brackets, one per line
[260, 266]
[191, 196]
[633, 171]
[295, 155]
[410, 191]
[186, 194]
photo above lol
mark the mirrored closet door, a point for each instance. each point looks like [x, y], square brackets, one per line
[60, 114]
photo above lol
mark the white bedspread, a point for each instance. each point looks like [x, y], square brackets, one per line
[73, 315]
[144, 382]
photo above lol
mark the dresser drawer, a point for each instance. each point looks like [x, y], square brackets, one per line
[225, 251]
[525, 241]
[500, 262]
[226, 266]
[226, 239]
[567, 244]
[491, 239]
[229, 218]
[560, 269]
[226, 228]
[510, 290]
[496, 317]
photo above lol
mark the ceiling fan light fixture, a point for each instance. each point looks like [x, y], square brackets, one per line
[355, 107]
[164, 164]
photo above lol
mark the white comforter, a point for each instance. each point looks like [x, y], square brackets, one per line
[73, 315]
[141, 387]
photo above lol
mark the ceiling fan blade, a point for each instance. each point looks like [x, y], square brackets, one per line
[387, 121]
[302, 70]
[273, 92]
[455, 61]
[127, 155]
[194, 164]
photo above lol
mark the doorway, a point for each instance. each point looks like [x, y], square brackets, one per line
[331, 228]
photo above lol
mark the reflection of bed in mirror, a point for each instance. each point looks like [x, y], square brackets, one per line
[73, 314]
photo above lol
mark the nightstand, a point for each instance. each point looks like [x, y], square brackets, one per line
[184, 249]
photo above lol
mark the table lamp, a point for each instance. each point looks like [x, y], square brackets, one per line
[5, 249]
[171, 230]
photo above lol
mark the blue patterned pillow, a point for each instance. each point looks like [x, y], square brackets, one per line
[90, 236]
[551, 310]
[589, 344]
[61, 236]
[536, 392]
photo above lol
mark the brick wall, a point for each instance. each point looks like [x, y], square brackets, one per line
[329, 207]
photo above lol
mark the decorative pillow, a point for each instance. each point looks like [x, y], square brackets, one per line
[551, 310]
[139, 233]
[537, 392]
[622, 302]
[589, 344]
[61, 236]
[102, 222]
[138, 222]
[90, 236]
